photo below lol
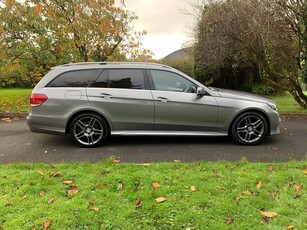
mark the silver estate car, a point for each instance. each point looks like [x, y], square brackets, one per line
[91, 101]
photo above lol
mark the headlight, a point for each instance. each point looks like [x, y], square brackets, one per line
[272, 105]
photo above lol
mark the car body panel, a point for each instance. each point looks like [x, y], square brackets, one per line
[128, 108]
[61, 104]
[177, 111]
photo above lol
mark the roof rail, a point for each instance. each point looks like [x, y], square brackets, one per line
[80, 63]
[113, 63]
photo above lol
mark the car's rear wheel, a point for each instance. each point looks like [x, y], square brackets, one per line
[249, 128]
[89, 130]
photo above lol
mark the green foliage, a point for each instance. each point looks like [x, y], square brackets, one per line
[262, 89]
[303, 19]
[218, 201]
[249, 44]
[36, 35]
[184, 65]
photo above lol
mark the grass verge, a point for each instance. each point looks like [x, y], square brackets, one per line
[286, 104]
[14, 100]
[123, 196]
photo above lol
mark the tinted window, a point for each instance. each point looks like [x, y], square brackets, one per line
[126, 78]
[168, 81]
[102, 81]
[77, 78]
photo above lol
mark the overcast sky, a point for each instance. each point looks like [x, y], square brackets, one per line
[167, 28]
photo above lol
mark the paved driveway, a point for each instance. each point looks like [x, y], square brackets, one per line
[18, 144]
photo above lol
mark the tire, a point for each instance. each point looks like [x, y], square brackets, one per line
[249, 128]
[89, 130]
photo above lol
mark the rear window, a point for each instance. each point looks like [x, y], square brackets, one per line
[75, 78]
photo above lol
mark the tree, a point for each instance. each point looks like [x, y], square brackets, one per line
[243, 42]
[39, 34]
[294, 13]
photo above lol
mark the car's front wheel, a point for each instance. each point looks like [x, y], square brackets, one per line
[249, 128]
[89, 130]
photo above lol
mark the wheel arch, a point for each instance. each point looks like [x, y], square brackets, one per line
[68, 124]
[252, 110]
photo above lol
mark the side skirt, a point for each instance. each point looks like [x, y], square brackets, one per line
[167, 133]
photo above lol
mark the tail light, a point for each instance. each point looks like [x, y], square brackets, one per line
[37, 99]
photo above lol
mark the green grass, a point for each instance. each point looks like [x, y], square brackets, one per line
[208, 207]
[15, 100]
[286, 104]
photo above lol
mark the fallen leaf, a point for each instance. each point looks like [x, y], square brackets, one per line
[271, 168]
[229, 221]
[92, 202]
[51, 200]
[155, 185]
[192, 188]
[160, 199]
[40, 173]
[295, 196]
[58, 175]
[9, 204]
[289, 227]
[139, 204]
[177, 161]
[120, 186]
[51, 166]
[247, 193]
[100, 224]
[73, 190]
[259, 185]
[25, 196]
[297, 188]
[219, 187]
[8, 165]
[7, 119]
[47, 225]
[269, 214]
[305, 172]
[94, 209]
[42, 194]
[117, 160]
[34, 228]
[68, 182]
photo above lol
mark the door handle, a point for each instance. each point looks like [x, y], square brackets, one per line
[163, 99]
[105, 95]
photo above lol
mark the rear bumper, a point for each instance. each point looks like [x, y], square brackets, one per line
[42, 125]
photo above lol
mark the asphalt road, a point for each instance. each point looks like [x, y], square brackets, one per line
[18, 144]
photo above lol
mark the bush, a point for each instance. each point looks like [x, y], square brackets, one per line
[262, 89]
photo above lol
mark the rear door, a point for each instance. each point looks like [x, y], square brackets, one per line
[178, 107]
[124, 96]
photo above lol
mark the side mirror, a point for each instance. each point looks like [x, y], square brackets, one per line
[200, 91]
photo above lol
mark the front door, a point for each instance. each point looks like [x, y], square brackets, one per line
[178, 107]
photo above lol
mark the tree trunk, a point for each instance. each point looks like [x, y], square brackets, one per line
[297, 93]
